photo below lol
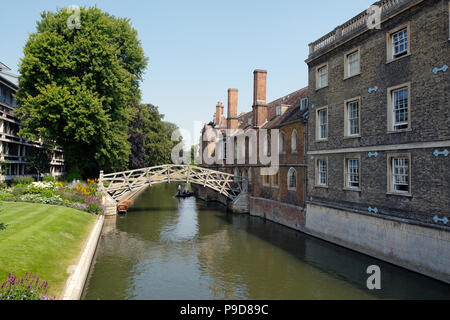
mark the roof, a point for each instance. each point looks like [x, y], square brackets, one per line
[11, 78]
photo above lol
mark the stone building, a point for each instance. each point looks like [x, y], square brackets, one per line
[13, 149]
[379, 135]
[279, 196]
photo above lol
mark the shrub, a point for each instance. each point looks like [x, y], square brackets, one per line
[18, 190]
[74, 174]
[22, 181]
[49, 179]
[6, 196]
[3, 185]
[26, 288]
[2, 226]
[95, 208]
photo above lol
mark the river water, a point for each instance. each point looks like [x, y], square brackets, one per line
[168, 248]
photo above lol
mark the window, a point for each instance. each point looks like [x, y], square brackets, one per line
[294, 141]
[281, 143]
[322, 173]
[266, 180]
[352, 114]
[279, 111]
[352, 64]
[275, 180]
[304, 104]
[267, 145]
[399, 174]
[224, 146]
[321, 124]
[322, 76]
[292, 179]
[352, 173]
[398, 43]
[399, 113]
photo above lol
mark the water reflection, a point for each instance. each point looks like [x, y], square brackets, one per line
[168, 248]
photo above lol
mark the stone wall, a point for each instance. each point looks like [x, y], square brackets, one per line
[421, 249]
[282, 213]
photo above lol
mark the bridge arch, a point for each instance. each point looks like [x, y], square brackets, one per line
[120, 186]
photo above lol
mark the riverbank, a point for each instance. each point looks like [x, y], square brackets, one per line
[42, 239]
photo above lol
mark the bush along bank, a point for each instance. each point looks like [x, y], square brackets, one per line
[78, 195]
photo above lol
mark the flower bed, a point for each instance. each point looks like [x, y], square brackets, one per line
[78, 195]
[27, 288]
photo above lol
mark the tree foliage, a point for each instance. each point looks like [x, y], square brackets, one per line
[78, 87]
[150, 138]
[39, 158]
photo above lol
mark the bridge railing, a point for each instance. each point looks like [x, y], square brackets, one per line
[120, 184]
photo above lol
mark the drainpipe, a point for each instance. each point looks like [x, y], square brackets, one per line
[305, 169]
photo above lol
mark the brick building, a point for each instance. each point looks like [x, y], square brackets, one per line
[13, 149]
[279, 197]
[379, 135]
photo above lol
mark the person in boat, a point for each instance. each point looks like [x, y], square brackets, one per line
[179, 189]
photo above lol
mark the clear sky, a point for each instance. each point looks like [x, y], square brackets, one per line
[200, 48]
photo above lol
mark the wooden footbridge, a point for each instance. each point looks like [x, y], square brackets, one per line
[120, 186]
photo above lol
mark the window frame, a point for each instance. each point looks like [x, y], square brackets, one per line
[390, 108]
[317, 171]
[294, 148]
[318, 68]
[318, 125]
[347, 66]
[389, 46]
[264, 182]
[282, 143]
[346, 118]
[275, 184]
[390, 176]
[346, 173]
[292, 170]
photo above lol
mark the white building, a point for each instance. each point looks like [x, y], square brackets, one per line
[13, 149]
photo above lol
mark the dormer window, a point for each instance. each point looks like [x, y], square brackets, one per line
[279, 110]
[304, 104]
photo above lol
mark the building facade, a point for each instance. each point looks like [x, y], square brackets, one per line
[13, 149]
[276, 191]
[379, 135]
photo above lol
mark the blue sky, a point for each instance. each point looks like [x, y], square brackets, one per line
[199, 49]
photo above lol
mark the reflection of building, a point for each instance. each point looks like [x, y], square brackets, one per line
[13, 149]
[278, 195]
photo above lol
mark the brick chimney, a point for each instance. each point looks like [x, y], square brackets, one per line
[219, 113]
[260, 111]
[232, 123]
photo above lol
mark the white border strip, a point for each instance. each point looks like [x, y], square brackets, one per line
[75, 283]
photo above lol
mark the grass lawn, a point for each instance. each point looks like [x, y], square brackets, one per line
[43, 239]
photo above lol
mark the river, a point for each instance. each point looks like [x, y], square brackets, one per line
[167, 248]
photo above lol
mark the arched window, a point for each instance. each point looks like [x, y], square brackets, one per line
[249, 175]
[235, 149]
[292, 179]
[294, 141]
[281, 143]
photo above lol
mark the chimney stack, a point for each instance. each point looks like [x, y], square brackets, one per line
[232, 109]
[259, 98]
[219, 113]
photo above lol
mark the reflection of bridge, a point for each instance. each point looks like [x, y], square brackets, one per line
[122, 185]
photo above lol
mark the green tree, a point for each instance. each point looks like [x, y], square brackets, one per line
[78, 87]
[39, 159]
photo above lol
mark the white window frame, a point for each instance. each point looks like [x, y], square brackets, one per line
[319, 171]
[319, 125]
[390, 46]
[304, 103]
[391, 109]
[347, 67]
[319, 84]
[397, 161]
[348, 173]
[348, 119]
